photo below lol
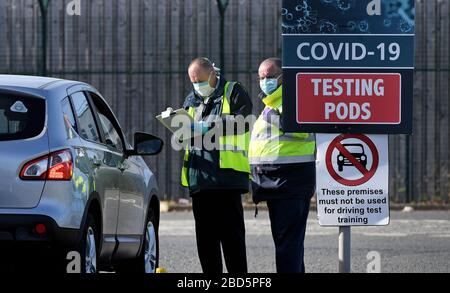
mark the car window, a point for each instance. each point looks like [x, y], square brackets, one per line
[20, 117]
[112, 137]
[68, 113]
[354, 149]
[87, 128]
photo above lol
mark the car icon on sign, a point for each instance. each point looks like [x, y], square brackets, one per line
[357, 151]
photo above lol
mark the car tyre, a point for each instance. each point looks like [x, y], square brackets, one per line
[147, 261]
[89, 247]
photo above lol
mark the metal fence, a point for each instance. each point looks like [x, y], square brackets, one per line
[136, 53]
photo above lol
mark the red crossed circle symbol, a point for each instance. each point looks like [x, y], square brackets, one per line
[367, 173]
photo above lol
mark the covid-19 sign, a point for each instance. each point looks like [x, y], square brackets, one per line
[348, 66]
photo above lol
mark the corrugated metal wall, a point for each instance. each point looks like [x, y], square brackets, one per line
[136, 53]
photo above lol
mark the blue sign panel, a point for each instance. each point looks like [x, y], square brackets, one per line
[357, 51]
[358, 37]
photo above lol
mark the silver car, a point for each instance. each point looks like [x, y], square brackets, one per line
[69, 179]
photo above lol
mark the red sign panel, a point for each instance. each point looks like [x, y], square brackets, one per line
[348, 98]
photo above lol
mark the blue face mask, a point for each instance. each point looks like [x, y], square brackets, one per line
[269, 85]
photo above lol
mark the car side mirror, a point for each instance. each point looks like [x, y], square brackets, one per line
[146, 145]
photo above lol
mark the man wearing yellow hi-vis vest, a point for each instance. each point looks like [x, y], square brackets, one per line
[217, 175]
[283, 171]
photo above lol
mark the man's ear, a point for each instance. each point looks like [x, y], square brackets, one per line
[214, 79]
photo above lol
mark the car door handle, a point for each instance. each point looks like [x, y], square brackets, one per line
[97, 162]
[123, 166]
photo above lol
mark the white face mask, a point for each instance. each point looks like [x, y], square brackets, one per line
[204, 89]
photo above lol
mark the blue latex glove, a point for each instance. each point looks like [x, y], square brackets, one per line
[200, 127]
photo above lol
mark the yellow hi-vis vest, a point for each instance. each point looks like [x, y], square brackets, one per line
[270, 145]
[233, 149]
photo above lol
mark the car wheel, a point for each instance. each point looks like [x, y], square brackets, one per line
[89, 247]
[147, 261]
[150, 249]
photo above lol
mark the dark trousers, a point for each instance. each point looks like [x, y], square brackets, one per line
[288, 219]
[219, 223]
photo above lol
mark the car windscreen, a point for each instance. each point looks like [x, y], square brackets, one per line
[21, 117]
[354, 149]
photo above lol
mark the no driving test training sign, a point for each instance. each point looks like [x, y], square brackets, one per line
[352, 180]
[348, 66]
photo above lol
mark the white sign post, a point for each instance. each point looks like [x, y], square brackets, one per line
[352, 184]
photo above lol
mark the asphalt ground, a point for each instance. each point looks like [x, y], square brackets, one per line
[415, 242]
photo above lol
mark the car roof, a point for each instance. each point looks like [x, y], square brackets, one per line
[35, 85]
[35, 82]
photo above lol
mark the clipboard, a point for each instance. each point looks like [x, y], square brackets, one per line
[166, 118]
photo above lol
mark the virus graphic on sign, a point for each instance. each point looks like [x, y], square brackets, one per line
[347, 16]
[363, 26]
[402, 13]
[327, 27]
[345, 5]
[341, 5]
[298, 18]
